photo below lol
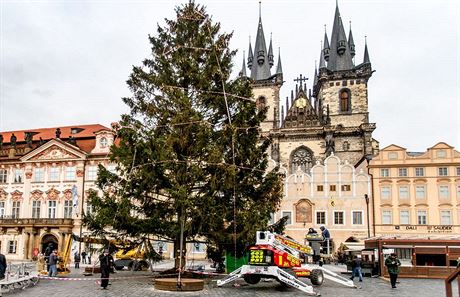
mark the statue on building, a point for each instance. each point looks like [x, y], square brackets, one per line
[330, 145]
[13, 140]
[58, 133]
[72, 140]
[28, 138]
[41, 141]
[1, 141]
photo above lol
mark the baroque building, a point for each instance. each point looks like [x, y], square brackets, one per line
[45, 176]
[417, 193]
[321, 137]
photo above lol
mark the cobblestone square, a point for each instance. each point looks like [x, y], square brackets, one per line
[133, 284]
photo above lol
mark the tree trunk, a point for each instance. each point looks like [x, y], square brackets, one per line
[177, 260]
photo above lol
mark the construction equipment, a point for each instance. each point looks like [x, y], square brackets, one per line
[278, 257]
[133, 257]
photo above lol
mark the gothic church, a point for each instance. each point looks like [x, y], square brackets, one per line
[318, 132]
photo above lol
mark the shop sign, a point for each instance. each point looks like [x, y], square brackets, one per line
[440, 229]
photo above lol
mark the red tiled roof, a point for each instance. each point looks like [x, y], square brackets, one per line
[50, 133]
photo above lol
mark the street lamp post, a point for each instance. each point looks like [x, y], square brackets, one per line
[368, 225]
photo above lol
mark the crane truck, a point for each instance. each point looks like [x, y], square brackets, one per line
[278, 257]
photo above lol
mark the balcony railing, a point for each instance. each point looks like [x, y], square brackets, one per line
[7, 221]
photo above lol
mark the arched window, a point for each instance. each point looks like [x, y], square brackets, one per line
[345, 101]
[260, 103]
[302, 159]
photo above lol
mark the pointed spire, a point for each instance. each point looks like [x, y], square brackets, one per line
[351, 43]
[279, 69]
[340, 56]
[270, 52]
[322, 62]
[261, 69]
[315, 79]
[366, 59]
[250, 55]
[243, 69]
[326, 47]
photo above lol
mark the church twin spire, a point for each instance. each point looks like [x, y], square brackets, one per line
[260, 60]
[339, 53]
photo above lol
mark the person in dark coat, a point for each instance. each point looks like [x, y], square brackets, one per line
[392, 263]
[2, 266]
[356, 266]
[49, 249]
[76, 259]
[83, 257]
[106, 261]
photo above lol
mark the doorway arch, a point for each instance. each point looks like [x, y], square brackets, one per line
[48, 239]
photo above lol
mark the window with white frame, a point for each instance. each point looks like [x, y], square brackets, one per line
[3, 176]
[12, 246]
[39, 174]
[443, 171]
[53, 173]
[198, 247]
[403, 192]
[384, 172]
[385, 192]
[357, 216]
[444, 191]
[339, 218]
[422, 217]
[91, 173]
[320, 218]
[419, 171]
[402, 172]
[287, 214]
[18, 175]
[404, 218]
[68, 209]
[420, 191]
[2, 209]
[51, 209]
[446, 217]
[16, 209]
[36, 206]
[89, 208]
[386, 217]
[70, 173]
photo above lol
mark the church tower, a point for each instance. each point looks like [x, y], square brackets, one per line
[341, 94]
[266, 86]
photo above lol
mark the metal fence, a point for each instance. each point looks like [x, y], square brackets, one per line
[18, 276]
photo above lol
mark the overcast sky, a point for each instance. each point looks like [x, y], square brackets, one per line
[65, 63]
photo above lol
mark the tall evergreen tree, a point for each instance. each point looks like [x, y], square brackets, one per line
[189, 152]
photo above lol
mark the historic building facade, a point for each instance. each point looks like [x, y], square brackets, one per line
[45, 176]
[321, 137]
[417, 194]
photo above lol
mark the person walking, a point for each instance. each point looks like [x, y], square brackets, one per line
[83, 257]
[52, 261]
[106, 262]
[356, 268]
[2, 266]
[76, 259]
[48, 251]
[392, 263]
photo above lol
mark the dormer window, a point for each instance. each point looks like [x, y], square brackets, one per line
[326, 54]
[103, 142]
[341, 46]
[260, 57]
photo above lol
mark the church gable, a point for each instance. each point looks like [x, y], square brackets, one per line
[54, 150]
[301, 113]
